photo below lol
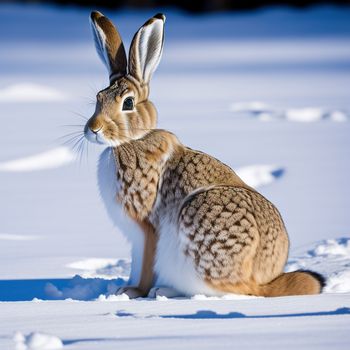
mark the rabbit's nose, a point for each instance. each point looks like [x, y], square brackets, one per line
[94, 124]
[96, 131]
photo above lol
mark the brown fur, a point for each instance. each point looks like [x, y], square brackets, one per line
[139, 165]
[292, 283]
[147, 273]
[286, 284]
[116, 124]
[116, 50]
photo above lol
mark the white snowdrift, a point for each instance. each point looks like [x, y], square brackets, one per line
[306, 115]
[331, 258]
[102, 268]
[12, 237]
[113, 297]
[47, 160]
[37, 341]
[250, 106]
[29, 92]
[259, 175]
[264, 112]
[103, 277]
[84, 288]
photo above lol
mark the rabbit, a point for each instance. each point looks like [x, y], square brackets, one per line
[194, 225]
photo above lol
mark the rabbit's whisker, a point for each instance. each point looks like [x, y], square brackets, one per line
[72, 125]
[70, 141]
[70, 134]
[79, 115]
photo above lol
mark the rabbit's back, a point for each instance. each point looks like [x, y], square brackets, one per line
[188, 171]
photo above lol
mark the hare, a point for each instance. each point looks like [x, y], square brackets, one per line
[194, 225]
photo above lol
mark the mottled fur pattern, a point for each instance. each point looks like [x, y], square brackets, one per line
[205, 230]
[140, 164]
[231, 232]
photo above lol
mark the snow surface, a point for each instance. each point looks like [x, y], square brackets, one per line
[222, 77]
[100, 278]
[318, 322]
[46, 160]
[37, 341]
[264, 112]
[13, 237]
[331, 258]
[29, 92]
[259, 175]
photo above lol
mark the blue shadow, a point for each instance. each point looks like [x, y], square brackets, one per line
[77, 288]
[278, 173]
[208, 314]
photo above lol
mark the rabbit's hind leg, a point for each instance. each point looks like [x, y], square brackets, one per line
[219, 233]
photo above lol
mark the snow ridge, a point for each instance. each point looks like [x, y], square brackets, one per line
[42, 161]
[260, 175]
[29, 92]
[37, 341]
[331, 258]
[264, 112]
[102, 277]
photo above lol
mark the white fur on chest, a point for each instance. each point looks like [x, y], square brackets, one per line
[109, 187]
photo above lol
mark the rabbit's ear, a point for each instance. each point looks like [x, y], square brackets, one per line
[109, 45]
[146, 49]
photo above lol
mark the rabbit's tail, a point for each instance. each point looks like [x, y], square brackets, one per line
[293, 283]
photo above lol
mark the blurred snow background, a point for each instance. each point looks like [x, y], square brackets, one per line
[266, 92]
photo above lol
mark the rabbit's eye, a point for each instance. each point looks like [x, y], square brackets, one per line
[128, 104]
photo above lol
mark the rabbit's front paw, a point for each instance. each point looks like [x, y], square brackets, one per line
[164, 292]
[131, 292]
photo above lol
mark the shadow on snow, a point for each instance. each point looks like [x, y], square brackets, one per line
[77, 288]
[209, 314]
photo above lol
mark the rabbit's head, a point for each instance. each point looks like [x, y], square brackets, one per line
[123, 111]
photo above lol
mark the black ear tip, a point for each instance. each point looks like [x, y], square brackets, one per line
[95, 15]
[160, 16]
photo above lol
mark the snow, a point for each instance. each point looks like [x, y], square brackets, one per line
[13, 237]
[264, 112]
[29, 92]
[266, 92]
[104, 268]
[331, 258]
[113, 297]
[99, 279]
[304, 114]
[317, 322]
[46, 160]
[259, 175]
[253, 107]
[338, 116]
[37, 341]
[79, 288]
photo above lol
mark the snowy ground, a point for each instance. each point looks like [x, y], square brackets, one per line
[319, 322]
[267, 92]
